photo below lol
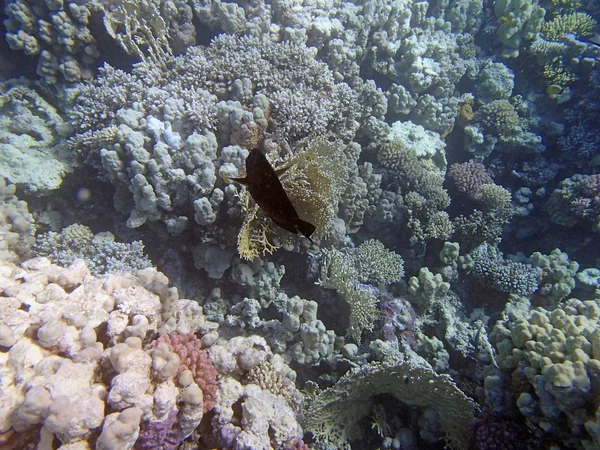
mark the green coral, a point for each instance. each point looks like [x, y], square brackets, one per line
[499, 117]
[346, 271]
[558, 275]
[556, 74]
[581, 24]
[334, 415]
[375, 263]
[494, 197]
[428, 286]
[566, 5]
[449, 253]
[520, 22]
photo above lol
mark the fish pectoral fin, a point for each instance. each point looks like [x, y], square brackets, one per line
[281, 171]
[243, 181]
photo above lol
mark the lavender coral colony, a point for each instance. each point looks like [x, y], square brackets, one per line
[300, 225]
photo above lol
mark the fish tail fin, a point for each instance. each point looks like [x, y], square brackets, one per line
[307, 229]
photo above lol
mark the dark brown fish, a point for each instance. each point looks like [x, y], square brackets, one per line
[268, 193]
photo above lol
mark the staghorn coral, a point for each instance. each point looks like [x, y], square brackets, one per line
[579, 23]
[334, 415]
[193, 358]
[556, 73]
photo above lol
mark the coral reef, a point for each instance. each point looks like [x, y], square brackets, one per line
[100, 252]
[333, 415]
[159, 388]
[551, 358]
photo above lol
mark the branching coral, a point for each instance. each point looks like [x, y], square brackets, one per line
[347, 271]
[576, 198]
[502, 274]
[581, 24]
[500, 117]
[468, 177]
[334, 415]
[100, 252]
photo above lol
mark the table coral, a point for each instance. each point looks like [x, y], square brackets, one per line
[334, 414]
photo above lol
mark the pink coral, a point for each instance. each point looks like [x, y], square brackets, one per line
[468, 177]
[193, 358]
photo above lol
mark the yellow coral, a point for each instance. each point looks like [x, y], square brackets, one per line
[556, 74]
[566, 5]
[315, 182]
[253, 238]
[581, 24]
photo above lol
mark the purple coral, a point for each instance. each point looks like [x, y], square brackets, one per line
[468, 177]
[576, 198]
[397, 314]
[160, 435]
[489, 432]
[193, 358]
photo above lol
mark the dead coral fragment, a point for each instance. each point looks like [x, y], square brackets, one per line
[334, 415]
